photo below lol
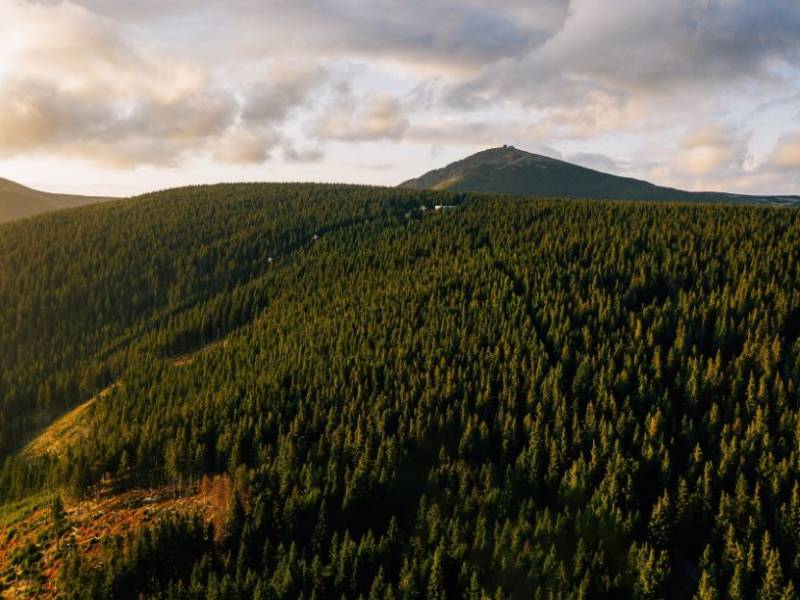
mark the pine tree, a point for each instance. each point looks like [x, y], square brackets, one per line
[661, 522]
[789, 592]
[435, 590]
[707, 589]
[653, 568]
[57, 518]
[772, 584]
[234, 521]
[475, 592]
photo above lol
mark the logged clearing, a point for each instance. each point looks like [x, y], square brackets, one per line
[30, 557]
[65, 431]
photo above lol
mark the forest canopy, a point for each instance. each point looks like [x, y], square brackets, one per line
[513, 398]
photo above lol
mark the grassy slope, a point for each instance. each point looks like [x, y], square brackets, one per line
[71, 428]
[64, 431]
[19, 202]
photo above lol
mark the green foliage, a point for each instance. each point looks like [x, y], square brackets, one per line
[26, 561]
[135, 567]
[58, 518]
[515, 398]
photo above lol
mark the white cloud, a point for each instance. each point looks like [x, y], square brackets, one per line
[83, 86]
[311, 154]
[593, 160]
[375, 117]
[282, 88]
[787, 152]
[634, 66]
[628, 46]
[630, 85]
[711, 149]
[419, 34]
[241, 145]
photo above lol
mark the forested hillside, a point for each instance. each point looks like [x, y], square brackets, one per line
[511, 398]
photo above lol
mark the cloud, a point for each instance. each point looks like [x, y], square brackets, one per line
[457, 130]
[593, 160]
[302, 155]
[711, 149]
[266, 104]
[627, 64]
[375, 117]
[716, 156]
[634, 45]
[241, 145]
[418, 34]
[377, 167]
[81, 89]
[82, 86]
[283, 87]
[40, 117]
[696, 92]
[787, 152]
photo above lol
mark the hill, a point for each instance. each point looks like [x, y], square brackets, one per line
[515, 397]
[19, 202]
[507, 170]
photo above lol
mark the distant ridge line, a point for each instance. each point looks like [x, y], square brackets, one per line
[508, 170]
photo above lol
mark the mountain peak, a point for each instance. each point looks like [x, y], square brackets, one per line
[506, 155]
[505, 169]
[509, 170]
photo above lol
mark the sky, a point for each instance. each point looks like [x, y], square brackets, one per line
[120, 97]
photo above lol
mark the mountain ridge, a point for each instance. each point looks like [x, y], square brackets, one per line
[19, 202]
[508, 170]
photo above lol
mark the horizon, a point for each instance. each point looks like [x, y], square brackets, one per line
[389, 185]
[400, 299]
[105, 98]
